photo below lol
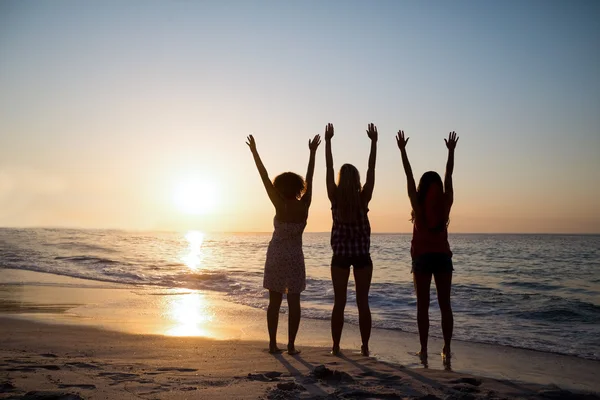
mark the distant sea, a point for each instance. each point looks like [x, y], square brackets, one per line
[538, 292]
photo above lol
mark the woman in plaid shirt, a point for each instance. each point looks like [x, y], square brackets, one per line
[350, 239]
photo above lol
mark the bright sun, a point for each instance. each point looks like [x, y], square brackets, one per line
[195, 196]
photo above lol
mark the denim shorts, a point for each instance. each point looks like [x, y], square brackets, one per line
[361, 261]
[431, 263]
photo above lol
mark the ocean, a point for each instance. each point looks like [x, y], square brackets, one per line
[539, 292]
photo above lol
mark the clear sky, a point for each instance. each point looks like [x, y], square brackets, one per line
[111, 112]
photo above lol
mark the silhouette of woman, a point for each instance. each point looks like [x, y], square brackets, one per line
[284, 266]
[430, 251]
[350, 239]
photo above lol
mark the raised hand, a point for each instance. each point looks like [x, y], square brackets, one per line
[401, 140]
[451, 141]
[314, 144]
[328, 131]
[251, 143]
[372, 132]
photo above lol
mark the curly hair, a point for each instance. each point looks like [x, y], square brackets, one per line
[290, 185]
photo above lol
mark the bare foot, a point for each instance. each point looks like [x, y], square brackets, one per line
[446, 351]
[423, 357]
[447, 360]
[364, 350]
[335, 350]
[273, 349]
[292, 351]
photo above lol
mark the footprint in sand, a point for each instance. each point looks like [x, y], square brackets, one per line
[467, 380]
[81, 365]
[265, 377]
[32, 368]
[176, 369]
[287, 386]
[380, 375]
[119, 376]
[76, 385]
[566, 395]
[285, 390]
[367, 394]
[465, 388]
[323, 373]
[6, 387]
[50, 395]
[147, 390]
[15, 361]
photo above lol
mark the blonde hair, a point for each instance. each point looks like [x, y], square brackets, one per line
[348, 199]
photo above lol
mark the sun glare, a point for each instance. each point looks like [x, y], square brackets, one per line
[190, 316]
[195, 197]
[193, 256]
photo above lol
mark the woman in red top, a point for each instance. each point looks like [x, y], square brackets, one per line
[430, 251]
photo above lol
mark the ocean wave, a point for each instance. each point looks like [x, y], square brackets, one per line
[563, 311]
[12, 258]
[125, 276]
[531, 285]
[82, 247]
[208, 280]
[67, 273]
[87, 259]
[499, 295]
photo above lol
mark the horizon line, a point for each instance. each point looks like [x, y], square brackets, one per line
[269, 232]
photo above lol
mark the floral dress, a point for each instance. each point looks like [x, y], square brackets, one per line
[284, 268]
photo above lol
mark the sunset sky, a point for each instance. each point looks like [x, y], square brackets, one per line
[122, 114]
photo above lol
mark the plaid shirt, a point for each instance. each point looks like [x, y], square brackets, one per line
[351, 239]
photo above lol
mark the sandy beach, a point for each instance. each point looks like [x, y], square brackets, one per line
[61, 339]
[41, 360]
[186, 185]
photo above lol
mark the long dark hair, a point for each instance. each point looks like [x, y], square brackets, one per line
[429, 179]
[348, 193]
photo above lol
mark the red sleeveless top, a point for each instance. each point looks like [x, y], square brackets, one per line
[427, 236]
[428, 241]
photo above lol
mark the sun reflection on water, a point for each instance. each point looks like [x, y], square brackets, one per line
[190, 314]
[193, 257]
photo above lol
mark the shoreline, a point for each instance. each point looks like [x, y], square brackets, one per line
[79, 362]
[53, 279]
[175, 314]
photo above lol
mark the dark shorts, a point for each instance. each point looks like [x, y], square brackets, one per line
[362, 261]
[432, 263]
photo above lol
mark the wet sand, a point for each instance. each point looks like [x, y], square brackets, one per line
[95, 340]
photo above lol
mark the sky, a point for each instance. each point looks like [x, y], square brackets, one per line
[133, 115]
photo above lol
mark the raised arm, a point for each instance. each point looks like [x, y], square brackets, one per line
[367, 191]
[312, 145]
[331, 187]
[274, 195]
[448, 187]
[410, 180]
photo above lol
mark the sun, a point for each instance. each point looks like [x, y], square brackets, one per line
[195, 196]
